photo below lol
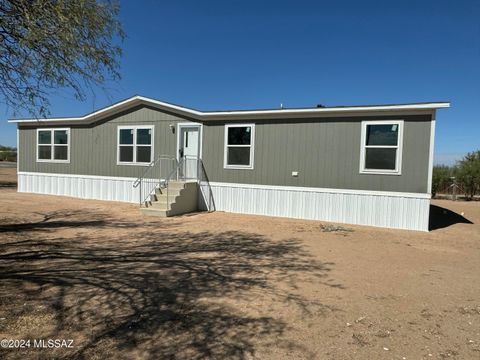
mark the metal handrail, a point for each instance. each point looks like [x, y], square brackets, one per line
[204, 182]
[151, 179]
[179, 172]
[153, 163]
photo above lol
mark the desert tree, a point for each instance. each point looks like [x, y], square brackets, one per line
[46, 45]
[468, 173]
[442, 178]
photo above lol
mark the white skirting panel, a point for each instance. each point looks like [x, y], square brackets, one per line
[382, 209]
[81, 186]
[205, 196]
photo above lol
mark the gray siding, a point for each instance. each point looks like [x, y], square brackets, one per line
[325, 152]
[93, 149]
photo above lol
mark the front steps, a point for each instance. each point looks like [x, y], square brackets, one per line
[182, 199]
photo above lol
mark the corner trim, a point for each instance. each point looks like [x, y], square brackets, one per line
[431, 155]
[18, 150]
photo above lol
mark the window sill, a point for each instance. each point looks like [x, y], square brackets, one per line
[380, 172]
[53, 161]
[133, 164]
[237, 167]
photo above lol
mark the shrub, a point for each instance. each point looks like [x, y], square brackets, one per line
[441, 178]
[8, 153]
[468, 173]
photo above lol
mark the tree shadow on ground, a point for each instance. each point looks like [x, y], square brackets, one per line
[8, 184]
[50, 221]
[441, 218]
[156, 292]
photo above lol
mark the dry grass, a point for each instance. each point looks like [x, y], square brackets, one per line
[233, 286]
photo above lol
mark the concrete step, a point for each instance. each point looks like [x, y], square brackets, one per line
[182, 198]
[163, 200]
[172, 195]
[171, 192]
[160, 206]
[154, 212]
[176, 184]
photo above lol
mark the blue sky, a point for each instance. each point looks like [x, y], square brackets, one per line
[233, 54]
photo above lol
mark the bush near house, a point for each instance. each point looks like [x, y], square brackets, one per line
[466, 173]
[442, 178]
[8, 153]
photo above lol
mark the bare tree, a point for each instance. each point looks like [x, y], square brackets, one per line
[46, 45]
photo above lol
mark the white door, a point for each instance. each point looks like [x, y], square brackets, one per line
[189, 151]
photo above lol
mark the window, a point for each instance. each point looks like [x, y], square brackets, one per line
[135, 145]
[381, 150]
[239, 146]
[53, 145]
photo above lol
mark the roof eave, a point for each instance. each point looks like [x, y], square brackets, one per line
[233, 115]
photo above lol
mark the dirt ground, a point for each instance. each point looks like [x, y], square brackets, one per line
[226, 286]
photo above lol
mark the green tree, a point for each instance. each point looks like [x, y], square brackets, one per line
[47, 45]
[468, 173]
[441, 178]
[8, 153]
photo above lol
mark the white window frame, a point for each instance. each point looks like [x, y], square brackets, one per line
[251, 146]
[52, 145]
[399, 147]
[134, 145]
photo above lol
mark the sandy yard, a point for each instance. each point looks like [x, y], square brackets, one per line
[225, 286]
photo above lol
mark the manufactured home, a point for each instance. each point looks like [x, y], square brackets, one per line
[368, 165]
